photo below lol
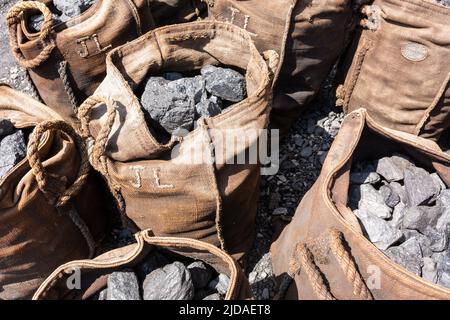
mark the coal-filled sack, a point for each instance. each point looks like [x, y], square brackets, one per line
[51, 206]
[188, 182]
[309, 36]
[329, 251]
[143, 271]
[63, 44]
[396, 68]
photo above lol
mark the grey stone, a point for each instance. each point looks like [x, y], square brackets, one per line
[444, 2]
[419, 218]
[438, 240]
[424, 242]
[220, 284]
[392, 168]
[429, 270]
[391, 198]
[280, 211]
[172, 76]
[6, 128]
[373, 202]
[153, 261]
[13, 149]
[201, 274]
[306, 152]
[208, 107]
[408, 255]
[379, 232]
[397, 215]
[72, 8]
[265, 294]
[438, 181]
[103, 295]
[123, 286]
[364, 177]
[443, 223]
[214, 296]
[172, 282]
[420, 186]
[224, 83]
[172, 103]
[400, 190]
[442, 260]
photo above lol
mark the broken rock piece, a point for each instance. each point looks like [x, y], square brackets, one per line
[379, 232]
[420, 186]
[373, 202]
[13, 149]
[393, 168]
[224, 83]
[6, 128]
[122, 286]
[172, 282]
[408, 255]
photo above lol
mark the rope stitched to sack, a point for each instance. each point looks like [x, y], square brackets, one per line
[61, 202]
[63, 72]
[97, 147]
[15, 15]
[303, 259]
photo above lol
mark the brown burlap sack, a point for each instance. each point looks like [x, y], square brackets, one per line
[324, 249]
[166, 12]
[397, 67]
[51, 208]
[93, 273]
[309, 37]
[66, 62]
[160, 186]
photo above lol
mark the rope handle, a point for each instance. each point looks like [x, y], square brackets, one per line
[39, 171]
[13, 19]
[303, 259]
[97, 147]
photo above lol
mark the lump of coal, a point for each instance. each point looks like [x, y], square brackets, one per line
[6, 128]
[378, 230]
[208, 107]
[391, 198]
[408, 255]
[392, 168]
[13, 149]
[224, 83]
[172, 103]
[420, 186]
[172, 282]
[419, 218]
[201, 274]
[220, 284]
[122, 286]
[373, 202]
[154, 261]
[364, 173]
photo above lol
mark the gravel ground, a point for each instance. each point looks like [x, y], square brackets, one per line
[301, 156]
[10, 72]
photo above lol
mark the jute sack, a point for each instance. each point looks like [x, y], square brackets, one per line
[161, 186]
[93, 273]
[66, 62]
[51, 208]
[397, 67]
[324, 250]
[166, 12]
[309, 36]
